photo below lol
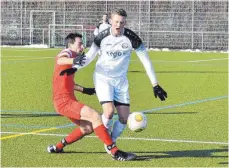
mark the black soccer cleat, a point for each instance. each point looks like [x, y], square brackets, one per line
[124, 156]
[53, 149]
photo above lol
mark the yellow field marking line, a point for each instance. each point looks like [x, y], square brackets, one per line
[33, 132]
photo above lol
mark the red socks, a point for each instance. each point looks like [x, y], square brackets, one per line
[103, 135]
[75, 135]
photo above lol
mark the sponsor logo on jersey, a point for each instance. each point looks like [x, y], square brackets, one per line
[124, 45]
[115, 54]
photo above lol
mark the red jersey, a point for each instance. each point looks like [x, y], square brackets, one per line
[63, 86]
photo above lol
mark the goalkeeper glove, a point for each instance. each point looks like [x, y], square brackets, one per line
[88, 91]
[158, 91]
[79, 60]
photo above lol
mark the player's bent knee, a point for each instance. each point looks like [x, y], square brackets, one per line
[108, 110]
[123, 120]
[87, 129]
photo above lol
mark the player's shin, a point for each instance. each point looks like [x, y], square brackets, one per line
[103, 135]
[75, 135]
[117, 130]
[60, 145]
[107, 123]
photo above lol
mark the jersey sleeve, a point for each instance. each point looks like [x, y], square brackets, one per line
[96, 31]
[144, 58]
[133, 37]
[101, 36]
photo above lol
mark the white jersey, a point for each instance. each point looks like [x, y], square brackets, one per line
[101, 27]
[115, 54]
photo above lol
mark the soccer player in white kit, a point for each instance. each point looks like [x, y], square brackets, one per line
[110, 75]
[104, 24]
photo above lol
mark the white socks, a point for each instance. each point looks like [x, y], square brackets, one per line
[117, 130]
[118, 127]
[107, 123]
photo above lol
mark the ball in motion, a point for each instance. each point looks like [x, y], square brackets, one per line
[137, 121]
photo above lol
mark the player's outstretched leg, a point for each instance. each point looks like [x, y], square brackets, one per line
[84, 128]
[74, 136]
[101, 132]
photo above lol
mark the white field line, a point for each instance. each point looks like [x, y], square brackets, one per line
[209, 60]
[187, 61]
[126, 138]
[25, 49]
[26, 56]
[25, 59]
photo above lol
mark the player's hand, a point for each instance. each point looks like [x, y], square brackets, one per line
[89, 91]
[79, 60]
[158, 91]
[69, 71]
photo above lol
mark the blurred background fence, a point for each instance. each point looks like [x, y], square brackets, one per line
[161, 24]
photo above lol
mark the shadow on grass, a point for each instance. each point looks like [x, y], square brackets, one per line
[147, 156]
[210, 153]
[223, 163]
[28, 115]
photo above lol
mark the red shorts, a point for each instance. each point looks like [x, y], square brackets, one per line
[68, 107]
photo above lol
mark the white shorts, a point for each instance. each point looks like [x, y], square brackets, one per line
[110, 89]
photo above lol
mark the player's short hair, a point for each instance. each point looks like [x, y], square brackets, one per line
[70, 38]
[107, 17]
[120, 12]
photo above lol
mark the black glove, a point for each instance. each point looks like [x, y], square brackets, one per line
[69, 71]
[158, 91]
[89, 91]
[79, 60]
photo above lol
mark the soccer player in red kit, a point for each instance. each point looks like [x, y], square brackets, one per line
[66, 104]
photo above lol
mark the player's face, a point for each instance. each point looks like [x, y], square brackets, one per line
[78, 45]
[105, 18]
[117, 23]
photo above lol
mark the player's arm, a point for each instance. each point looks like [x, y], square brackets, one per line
[96, 31]
[65, 59]
[81, 61]
[88, 91]
[89, 56]
[144, 58]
